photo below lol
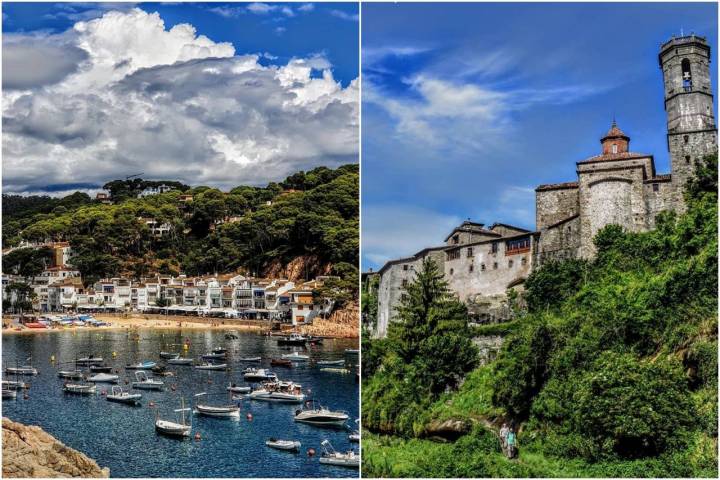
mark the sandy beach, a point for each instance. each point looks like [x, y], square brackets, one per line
[326, 328]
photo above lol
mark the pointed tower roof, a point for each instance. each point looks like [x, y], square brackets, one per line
[614, 132]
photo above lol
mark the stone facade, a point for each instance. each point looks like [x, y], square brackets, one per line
[617, 186]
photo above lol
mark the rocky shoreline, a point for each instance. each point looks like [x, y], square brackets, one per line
[30, 452]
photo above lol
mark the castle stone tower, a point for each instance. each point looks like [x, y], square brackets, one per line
[691, 129]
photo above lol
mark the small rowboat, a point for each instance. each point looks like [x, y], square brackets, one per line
[25, 370]
[250, 359]
[236, 389]
[287, 445]
[119, 396]
[219, 350]
[141, 366]
[331, 362]
[180, 361]
[104, 378]
[296, 357]
[211, 366]
[80, 388]
[351, 351]
[224, 411]
[71, 374]
[174, 429]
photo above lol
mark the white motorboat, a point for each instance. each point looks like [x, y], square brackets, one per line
[250, 359]
[288, 445]
[141, 366]
[330, 362]
[321, 417]
[355, 435]
[331, 457]
[9, 394]
[180, 361]
[104, 378]
[352, 351]
[285, 392]
[211, 366]
[89, 360]
[24, 370]
[219, 350]
[143, 382]
[118, 395]
[335, 370]
[295, 357]
[169, 355]
[80, 388]
[174, 429]
[14, 385]
[258, 374]
[213, 356]
[238, 389]
[223, 411]
[292, 339]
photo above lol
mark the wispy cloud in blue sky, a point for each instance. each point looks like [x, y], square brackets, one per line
[468, 107]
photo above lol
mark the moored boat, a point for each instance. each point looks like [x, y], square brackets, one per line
[221, 411]
[101, 368]
[104, 378]
[143, 382]
[118, 395]
[295, 357]
[14, 385]
[213, 356]
[141, 366]
[9, 394]
[238, 389]
[287, 445]
[174, 429]
[180, 361]
[169, 355]
[219, 350]
[80, 388]
[321, 417]
[330, 456]
[278, 391]
[292, 339]
[281, 362]
[330, 362]
[24, 370]
[71, 374]
[258, 374]
[250, 359]
[89, 360]
[211, 366]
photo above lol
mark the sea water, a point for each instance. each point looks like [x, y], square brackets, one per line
[123, 437]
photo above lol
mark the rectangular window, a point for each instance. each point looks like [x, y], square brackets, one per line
[656, 187]
[482, 267]
[456, 239]
[405, 267]
[453, 254]
[523, 261]
[517, 246]
[472, 267]
[510, 264]
[493, 249]
[495, 266]
[404, 283]
[470, 252]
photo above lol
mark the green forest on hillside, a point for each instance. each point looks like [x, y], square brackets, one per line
[313, 214]
[612, 370]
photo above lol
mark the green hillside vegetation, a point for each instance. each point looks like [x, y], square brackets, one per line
[311, 213]
[612, 371]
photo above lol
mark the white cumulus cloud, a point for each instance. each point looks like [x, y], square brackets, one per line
[171, 103]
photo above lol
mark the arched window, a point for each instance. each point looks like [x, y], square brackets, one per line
[614, 148]
[686, 74]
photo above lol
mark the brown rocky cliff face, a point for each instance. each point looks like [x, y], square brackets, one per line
[299, 268]
[27, 451]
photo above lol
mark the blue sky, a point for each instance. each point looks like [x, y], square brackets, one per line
[468, 107]
[284, 30]
[218, 94]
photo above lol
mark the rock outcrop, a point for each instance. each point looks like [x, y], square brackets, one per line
[28, 451]
[448, 430]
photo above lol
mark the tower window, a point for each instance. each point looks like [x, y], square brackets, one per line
[687, 159]
[495, 266]
[472, 268]
[614, 148]
[523, 261]
[405, 267]
[452, 271]
[686, 138]
[656, 187]
[510, 264]
[469, 252]
[686, 75]
[482, 267]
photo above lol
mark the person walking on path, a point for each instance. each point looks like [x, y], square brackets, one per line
[511, 442]
[504, 430]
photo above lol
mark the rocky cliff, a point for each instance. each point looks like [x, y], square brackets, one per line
[27, 451]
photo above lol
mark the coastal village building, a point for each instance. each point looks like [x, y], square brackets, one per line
[616, 186]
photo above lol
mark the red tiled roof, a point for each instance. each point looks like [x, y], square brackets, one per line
[609, 157]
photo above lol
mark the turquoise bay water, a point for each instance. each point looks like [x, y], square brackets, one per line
[123, 438]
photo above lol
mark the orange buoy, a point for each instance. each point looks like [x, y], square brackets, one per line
[311, 452]
[197, 436]
[249, 416]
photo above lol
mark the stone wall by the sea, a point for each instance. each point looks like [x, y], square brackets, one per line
[29, 452]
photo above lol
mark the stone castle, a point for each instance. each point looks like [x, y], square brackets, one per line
[618, 186]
